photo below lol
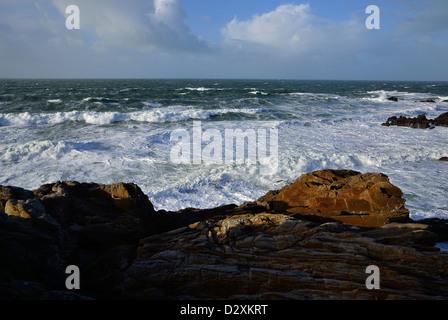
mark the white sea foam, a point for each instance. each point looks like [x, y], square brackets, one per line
[201, 89]
[317, 96]
[54, 101]
[443, 246]
[259, 92]
[383, 95]
[152, 104]
[169, 114]
[346, 134]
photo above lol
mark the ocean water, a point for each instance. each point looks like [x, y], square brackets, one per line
[108, 131]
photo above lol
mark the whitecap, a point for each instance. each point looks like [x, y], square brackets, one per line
[156, 115]
[201, 89]
[259, 92]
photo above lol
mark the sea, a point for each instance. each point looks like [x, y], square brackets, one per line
[149, 132]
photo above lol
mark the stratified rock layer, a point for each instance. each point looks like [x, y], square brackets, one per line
[271, 256]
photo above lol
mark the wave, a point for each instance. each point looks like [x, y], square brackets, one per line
[100, 100]
[259, 92]
[54, 101]
[151, 104]
[160, 115]
[199, 89]
[314, 95]
[384, 95]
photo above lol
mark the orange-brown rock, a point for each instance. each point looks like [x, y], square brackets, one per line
[367, 200]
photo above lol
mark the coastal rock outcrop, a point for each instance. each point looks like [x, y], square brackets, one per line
[442, 120]
[312, 239]
[69, 223]
[272, 256]
[419, 122]
[367, 200]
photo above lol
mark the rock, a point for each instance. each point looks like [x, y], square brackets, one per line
[273, 256]
[420, 122]
[28, 290]
[443, 159]
[15, 193]
[289, 244]
[428, 100]
[30, 209]
[96, 227]
[442, 120]
[367, 200]
[392, 99]
[167, 220]
[445, 100]
[437, 226]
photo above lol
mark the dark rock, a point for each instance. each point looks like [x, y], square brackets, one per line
[442, 120]
[7, 192]
[168, 220]
[392, 99]
[443, 159]
[437, 226]
[428, 100]
[27, 290]
[420, 122]
[71, 223]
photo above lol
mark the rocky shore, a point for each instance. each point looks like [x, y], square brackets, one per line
[419, 122]
[313, 239]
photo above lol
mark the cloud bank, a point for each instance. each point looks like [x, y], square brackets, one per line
[146, 25]
[152, 38]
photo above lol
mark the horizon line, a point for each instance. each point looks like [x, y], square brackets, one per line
[212, 78]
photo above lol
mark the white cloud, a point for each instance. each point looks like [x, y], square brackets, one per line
[293, 29]
[146, 25]
[283, 27]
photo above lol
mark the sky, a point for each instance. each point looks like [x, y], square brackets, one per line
[233, 39]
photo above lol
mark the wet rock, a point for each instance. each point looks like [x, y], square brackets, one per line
[419, 122]
[442, 120]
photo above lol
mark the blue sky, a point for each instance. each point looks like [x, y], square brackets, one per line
[315, 39]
